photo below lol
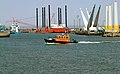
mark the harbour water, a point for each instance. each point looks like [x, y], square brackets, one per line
[28, 54]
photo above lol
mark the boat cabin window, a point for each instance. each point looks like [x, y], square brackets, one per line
[62, 36]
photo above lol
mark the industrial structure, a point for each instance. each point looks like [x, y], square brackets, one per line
[52, 27]
[91, 27]
[112, 26]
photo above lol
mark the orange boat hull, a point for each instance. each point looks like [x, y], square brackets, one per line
[53, 30]
[59, 30]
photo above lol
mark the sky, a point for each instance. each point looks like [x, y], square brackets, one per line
[24, 10]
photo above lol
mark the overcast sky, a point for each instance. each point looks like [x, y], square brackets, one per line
[25, 9]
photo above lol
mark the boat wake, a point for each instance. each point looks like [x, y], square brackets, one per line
[51, 43]
[110, 41]
[88, 42]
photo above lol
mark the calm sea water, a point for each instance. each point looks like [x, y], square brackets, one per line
[28, 54]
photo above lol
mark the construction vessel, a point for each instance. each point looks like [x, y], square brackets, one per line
[52, 28]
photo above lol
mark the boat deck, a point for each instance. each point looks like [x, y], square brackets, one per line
[111, 35]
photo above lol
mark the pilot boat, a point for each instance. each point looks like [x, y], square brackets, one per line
[60, 39]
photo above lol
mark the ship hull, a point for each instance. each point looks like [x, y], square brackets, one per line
[53, 30]
[48, 41]
[5, 34]
[89, 34]
[59, 30]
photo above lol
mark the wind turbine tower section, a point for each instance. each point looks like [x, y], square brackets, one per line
[110, 18]
[116, 26]
[112, 27]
